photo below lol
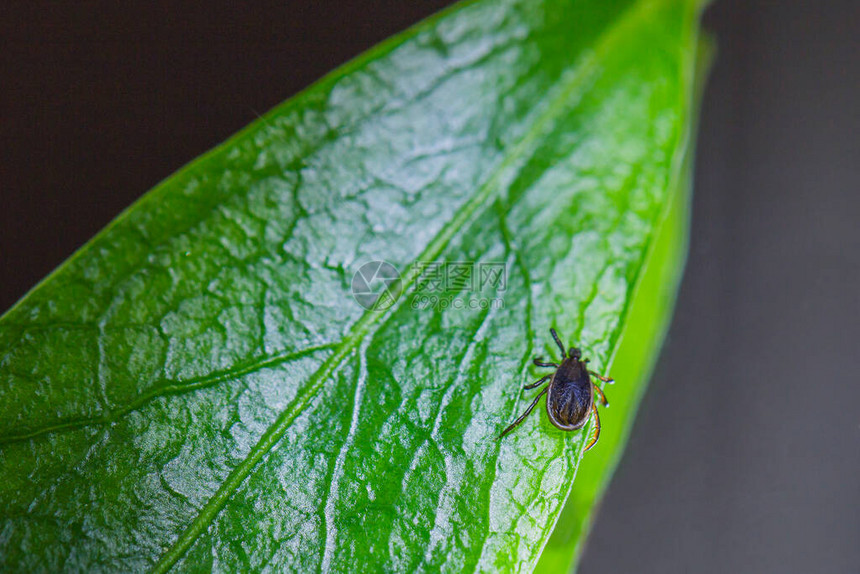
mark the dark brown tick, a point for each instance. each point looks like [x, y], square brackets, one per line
[570, 398]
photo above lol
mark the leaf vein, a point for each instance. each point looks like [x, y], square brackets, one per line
[167, 388]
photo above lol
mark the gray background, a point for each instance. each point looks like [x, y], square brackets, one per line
[745, 456]
[746, 453]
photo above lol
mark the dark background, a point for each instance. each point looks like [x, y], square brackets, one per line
[746, 453]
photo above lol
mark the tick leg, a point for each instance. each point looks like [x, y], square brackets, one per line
[539, 362]
[606, 380]
[525, 414]
[596, 434]
[536, 383]
[599, 392]
[558, 342]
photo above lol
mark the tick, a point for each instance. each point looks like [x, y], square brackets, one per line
[570, 393]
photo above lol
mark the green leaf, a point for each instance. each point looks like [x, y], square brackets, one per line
[644, 326]
[196, 388]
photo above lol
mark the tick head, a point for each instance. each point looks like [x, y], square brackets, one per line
[574, 353]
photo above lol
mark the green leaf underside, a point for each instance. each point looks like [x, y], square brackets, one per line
[196, 388]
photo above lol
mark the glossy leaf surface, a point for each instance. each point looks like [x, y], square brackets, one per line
[197, 388]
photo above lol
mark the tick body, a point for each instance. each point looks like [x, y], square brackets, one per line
[570, 394]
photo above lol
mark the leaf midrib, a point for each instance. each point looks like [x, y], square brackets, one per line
[566, 87]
